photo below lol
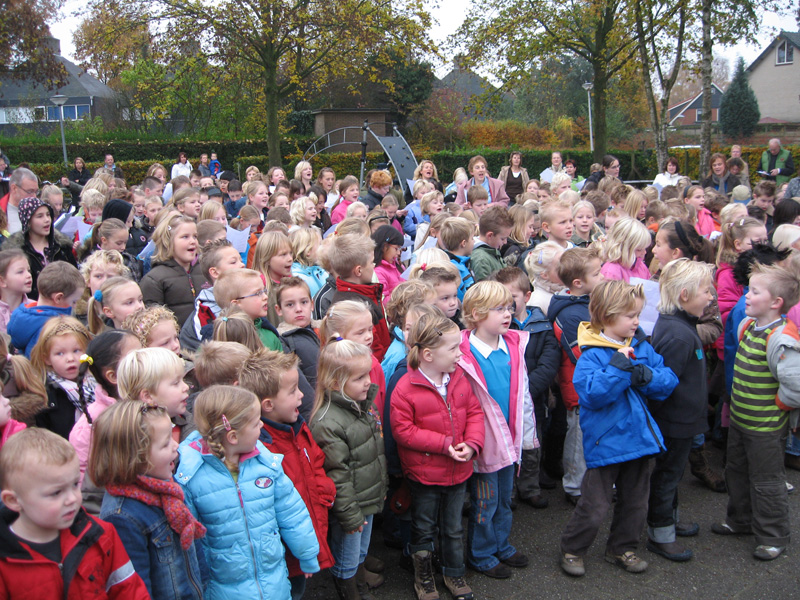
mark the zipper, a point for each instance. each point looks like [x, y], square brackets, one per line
[249, 540]
[191, 577]
[650, 427]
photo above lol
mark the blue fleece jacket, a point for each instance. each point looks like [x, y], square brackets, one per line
[27, 321]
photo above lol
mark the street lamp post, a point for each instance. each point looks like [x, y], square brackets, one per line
[60, 100]
[588, 87]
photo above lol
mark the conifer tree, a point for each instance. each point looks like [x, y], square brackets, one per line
[738, 111]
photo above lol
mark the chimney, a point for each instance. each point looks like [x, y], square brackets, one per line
[54, 44]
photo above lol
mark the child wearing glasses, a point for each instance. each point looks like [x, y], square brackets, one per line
[493, 358]
[248, 290]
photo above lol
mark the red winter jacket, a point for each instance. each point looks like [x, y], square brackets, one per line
[425, 425]
[303, 463]
[373, 293]
[377, 377]
[94, 564]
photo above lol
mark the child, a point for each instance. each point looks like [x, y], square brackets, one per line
[103, 355]
[686, 290]
[272, 258]
[213, 211]
[297, 329]
[388, 248]
[15, 283]
[92, 203]
[695, 195]
[764, 198]
[763, 393]
[478, 199]
[495, 227]
[272, 377]
[541, 360]
[357, 210]
[239, 492]
[413, 210]
[456, 238]
[521, 236]
[233, 325]
[218, 363]
[391, 206]
[616, 372]
[624, 250]
[586, 228]
[437, 422]
[155, 327]
[257, 196]
[116, 300]
[347, 432]
[187, 201]
[133, 456]
[54, 546]
[405, 295]
[494, 359]
[176, 277]
[39, 240]
[430, 205]
[245, 289]
[557, 223]
[216, 258]
[541, 263]
[8, 425]
[352, 259]
[305, 242]
[445, 280]
[579, 268]
[111, 234]
[348, 193]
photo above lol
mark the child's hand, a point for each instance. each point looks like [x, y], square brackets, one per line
[308, 575]
[402, 213]
[451, 452]
[628, 352]
[76, 245]
[464, 452]
[359, 530]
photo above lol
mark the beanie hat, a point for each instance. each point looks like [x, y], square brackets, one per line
[28, 206]
[117, 209]
[741, 193]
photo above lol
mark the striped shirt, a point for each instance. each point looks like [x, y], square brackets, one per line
[754, 389]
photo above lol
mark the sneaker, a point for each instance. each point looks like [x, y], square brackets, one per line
[768, 552]
[686, 529]
[458, 588]
[670, 550]
[573, 565]
[628, 561]
[725, 529]
[789, 488]
[517, 560]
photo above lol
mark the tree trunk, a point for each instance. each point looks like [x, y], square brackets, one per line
[273, 131]
[705, 69]
[599, 103]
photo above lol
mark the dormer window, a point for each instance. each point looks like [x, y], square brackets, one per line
[785, 54]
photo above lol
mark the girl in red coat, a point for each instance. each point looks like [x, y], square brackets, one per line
[437, 422]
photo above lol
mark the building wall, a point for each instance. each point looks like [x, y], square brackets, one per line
[328, 121]
[777, 87]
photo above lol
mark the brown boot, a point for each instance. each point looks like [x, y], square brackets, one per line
[424, 582]
[347, 589]
[374, 580]
[362, 585]
[374, 564]
[698, 462]
[458, 588]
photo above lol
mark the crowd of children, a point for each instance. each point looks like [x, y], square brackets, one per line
[185, 417]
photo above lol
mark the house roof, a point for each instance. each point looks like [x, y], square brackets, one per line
[793, 37]
[677, 111]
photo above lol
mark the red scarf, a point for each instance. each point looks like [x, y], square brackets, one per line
[168, 496]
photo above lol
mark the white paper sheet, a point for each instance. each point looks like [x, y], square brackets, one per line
[652, 295]
[238, 238]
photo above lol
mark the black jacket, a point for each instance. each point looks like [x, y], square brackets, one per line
[59, 249]
[683, 414]
[59, 414]
[306, 345]
[542, 357]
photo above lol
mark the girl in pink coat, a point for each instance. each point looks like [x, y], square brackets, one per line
[388, 247]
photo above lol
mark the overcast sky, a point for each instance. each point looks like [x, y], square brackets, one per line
[449, 14]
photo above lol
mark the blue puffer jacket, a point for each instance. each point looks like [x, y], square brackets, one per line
[247, 521]
[613, 392]
[462, 263]
[314, 276]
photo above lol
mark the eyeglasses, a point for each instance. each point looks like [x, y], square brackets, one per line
[264, 292]
[502, 309]
[29, 192]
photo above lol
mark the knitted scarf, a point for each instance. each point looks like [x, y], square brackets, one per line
[168, 496]
[71, 389]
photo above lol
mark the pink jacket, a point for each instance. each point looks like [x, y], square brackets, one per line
[10, 429]
[5, 313]
[340, 212]
[497, 191]
[616, 271]
[705, 222]
[390, 277]
[81, 435]
[503, 441]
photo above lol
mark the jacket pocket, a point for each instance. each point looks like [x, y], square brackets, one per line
[162, 541]
[271, 546]
[232, 565]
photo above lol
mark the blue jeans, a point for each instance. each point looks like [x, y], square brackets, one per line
[793, 445]
[490, 518]
[439, 505]
[349, 549]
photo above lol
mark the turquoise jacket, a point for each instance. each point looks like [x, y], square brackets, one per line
[248, 522]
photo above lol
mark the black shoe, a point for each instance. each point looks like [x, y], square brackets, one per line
[725, 529]
[499, 571]
[537, 501]
[545, 481]
[517, 560]
[791, 461]
[686, 529]
[671, 551]
[572, 499]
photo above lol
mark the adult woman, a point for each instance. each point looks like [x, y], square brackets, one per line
[303, 173]
[182, 167]
[718, 176]
[427, 171]
[76, 179]
[479, 170]
[158, 171]
[380, 182]
[571, 167]
[670, 175]
[610, 167]
[514, 177]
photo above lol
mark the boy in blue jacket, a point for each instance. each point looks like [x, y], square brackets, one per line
[617, 372]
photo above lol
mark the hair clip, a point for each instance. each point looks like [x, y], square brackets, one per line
[741, 221]
[224, 319]
[541, 257]
[8, 357]
[423, 266]
[98, 295]
[339, 338]
[438, 331]
[226, 423]
[85, 358]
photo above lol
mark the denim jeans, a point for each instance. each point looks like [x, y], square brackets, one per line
[349, 549]
[793, 445]
[663, 504]
[574, 463]
[439, 505]
[490, 518]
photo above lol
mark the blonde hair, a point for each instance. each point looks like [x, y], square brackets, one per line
[454, 231]
[737, 230]
[569, 196]
[102, 258]
[559, 178]
[298, 170]
[728, 213]
[339, 319]
[427, 333]
[261, 372]
[93, 199]
[583, 204]
[270, 244]
[28, 447]
[678, 275]
[354, 226]
[144, 369]
[297, 210]
[53, 328]
[251, 169]
[404, 296]
[337, 361]
[425, 201]
[552, 209]
[421, 187]
[121, 443]
[220, 409]
[303, 241]
[624, 238]
[348, 252]
[142, 322]
[233, 325]
[423, 162]
[435, 226]
[95, 315]
[219, 362]
[50, 190]
[251, 187]
[521, 216]
[611, 298]
[162, 236]
[785, 235]
[232, 283]
[209, 211]
[426, 257]
[247, 213]
[634, 202]
[182, 195]
[781, 283]
[351, 210]
[482, 298]
[543, 257]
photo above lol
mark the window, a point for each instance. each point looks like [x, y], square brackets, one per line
[52, 113]
[83, 111]
[38, 113]
[698, 115]
[785, 53]
[72, 112]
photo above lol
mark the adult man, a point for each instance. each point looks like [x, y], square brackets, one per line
[22, 184]
[777, 163]
[556, 166]
[116, 171]
[205, 170]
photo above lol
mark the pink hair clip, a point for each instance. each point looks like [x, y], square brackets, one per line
[423, 266]
[226, 423]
